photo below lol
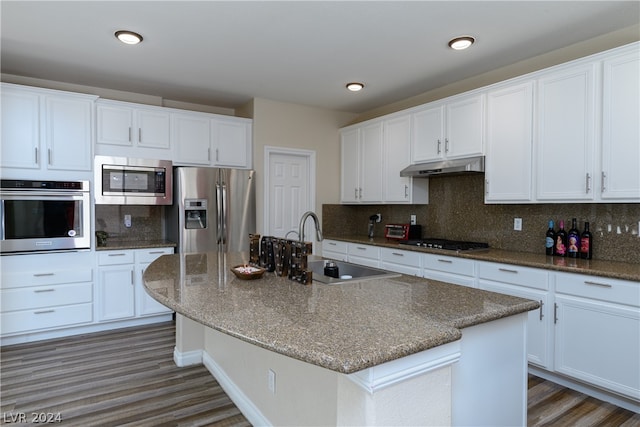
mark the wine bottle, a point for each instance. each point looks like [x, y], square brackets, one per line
[561, 241]
[551, 238]
[573, 240]
[586, 242]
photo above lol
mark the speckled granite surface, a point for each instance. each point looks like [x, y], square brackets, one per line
[116, 244]
[345, 328]
[602, 268]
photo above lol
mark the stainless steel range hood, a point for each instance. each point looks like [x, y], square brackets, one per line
[445, 167]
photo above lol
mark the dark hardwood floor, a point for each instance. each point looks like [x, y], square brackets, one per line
[127, 377]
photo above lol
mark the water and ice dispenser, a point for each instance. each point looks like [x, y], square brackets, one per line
[195, 213]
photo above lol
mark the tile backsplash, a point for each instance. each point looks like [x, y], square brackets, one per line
[147, 222]
[456, 210]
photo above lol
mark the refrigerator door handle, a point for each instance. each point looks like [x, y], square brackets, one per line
[219, 212]
[223, 222]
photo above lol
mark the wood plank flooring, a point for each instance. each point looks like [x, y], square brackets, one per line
[127, 377]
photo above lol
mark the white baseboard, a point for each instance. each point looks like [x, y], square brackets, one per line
[187, 358]
[248, 409]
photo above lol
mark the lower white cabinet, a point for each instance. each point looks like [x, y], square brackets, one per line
[363, 254]
[527, 283]
[597, 332]
[42, 292]
[334, 249]
[405, 262]
[449, 269]
[120, 291]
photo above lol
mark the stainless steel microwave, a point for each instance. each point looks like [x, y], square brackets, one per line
[39, 216]
[127, 181]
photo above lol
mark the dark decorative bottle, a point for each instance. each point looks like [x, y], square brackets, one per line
[561, 241]
[550, 239]
[586, 242]
[573, 240]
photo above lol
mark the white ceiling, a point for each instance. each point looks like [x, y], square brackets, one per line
[224, 53]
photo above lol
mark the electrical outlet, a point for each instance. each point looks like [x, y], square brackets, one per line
[271, 381]
[517, 224]
[127, 221]
[413, 219]
[379, 218]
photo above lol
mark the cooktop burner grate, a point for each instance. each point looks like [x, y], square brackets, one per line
[452, 245]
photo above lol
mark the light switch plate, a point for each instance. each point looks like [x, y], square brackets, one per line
[517, 224]
[127, 221]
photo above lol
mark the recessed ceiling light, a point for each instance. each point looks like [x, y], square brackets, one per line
[354, 86]
[128, 37]
[462, 42]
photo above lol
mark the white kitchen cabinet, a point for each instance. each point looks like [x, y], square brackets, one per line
[620, 174]
[334, 249]
[597, 332]
[232, 145]
[566, 132]
[44, 292]
[509, 159]
[191, 139]
[397, 156]
[362, 160]
[121, 293]
[132, 130]
[367, 255]
[46, 130]
[449, 129]
[449, 269]
[400, 261]
[526, 283]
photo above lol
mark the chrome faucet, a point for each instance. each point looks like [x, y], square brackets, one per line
[303, 220]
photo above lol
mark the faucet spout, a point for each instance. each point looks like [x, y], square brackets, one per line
[303, 219]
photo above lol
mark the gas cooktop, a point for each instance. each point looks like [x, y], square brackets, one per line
[452, 245]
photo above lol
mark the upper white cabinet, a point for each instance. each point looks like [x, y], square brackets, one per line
[509, 159]
[450, 129]
[566, 133]
[362, 152]
[191, 138]
[132, 130]
[231, 142]
[46, 130]
[620, 175]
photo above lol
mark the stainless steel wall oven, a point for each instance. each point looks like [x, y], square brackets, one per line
[41, 216]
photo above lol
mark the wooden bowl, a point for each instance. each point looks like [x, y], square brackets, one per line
[247, 272]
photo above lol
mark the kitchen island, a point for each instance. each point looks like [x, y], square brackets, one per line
[401, 351]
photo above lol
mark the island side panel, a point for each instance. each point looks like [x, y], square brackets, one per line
[189, 341]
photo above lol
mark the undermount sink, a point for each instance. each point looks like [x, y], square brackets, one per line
[348, 272]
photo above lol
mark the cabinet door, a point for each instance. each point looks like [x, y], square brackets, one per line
[232, 144]
[115, 299]
[350, 164]
[20, 129]
[465, 121]
[428, 134]
[509, 159]
[599, 343]
[191, 139]
[566, 132]
[115, 125]
[538, 324]
[153, 129]
[397, 147]
[371, 163]
[620, 177]
[68, 133]
[145, 304]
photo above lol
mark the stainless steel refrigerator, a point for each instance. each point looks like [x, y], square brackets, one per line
[213, 209]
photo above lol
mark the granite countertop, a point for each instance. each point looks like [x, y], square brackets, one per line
[611, 269]
[119, 245]
[345, 328]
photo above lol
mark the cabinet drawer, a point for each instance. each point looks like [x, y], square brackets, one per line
[45, 296]
[601, 288]
[45, 318]
[334, 246]
[513, 274]
[115, 257]
[150, 255]
[449, 264]
[364, 251]
[396, 256]
[45, 277]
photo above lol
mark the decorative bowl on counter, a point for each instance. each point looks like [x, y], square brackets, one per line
[247, 272]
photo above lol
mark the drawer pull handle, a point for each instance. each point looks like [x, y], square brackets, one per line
[156, 252]
[43, 274]
[37, 291]
[447, 261]
[397, 254]
[361, 248]
[44, 311]
[541, 305]
[122, 254]
[332, 244]
[602, 285]
[507, 270]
